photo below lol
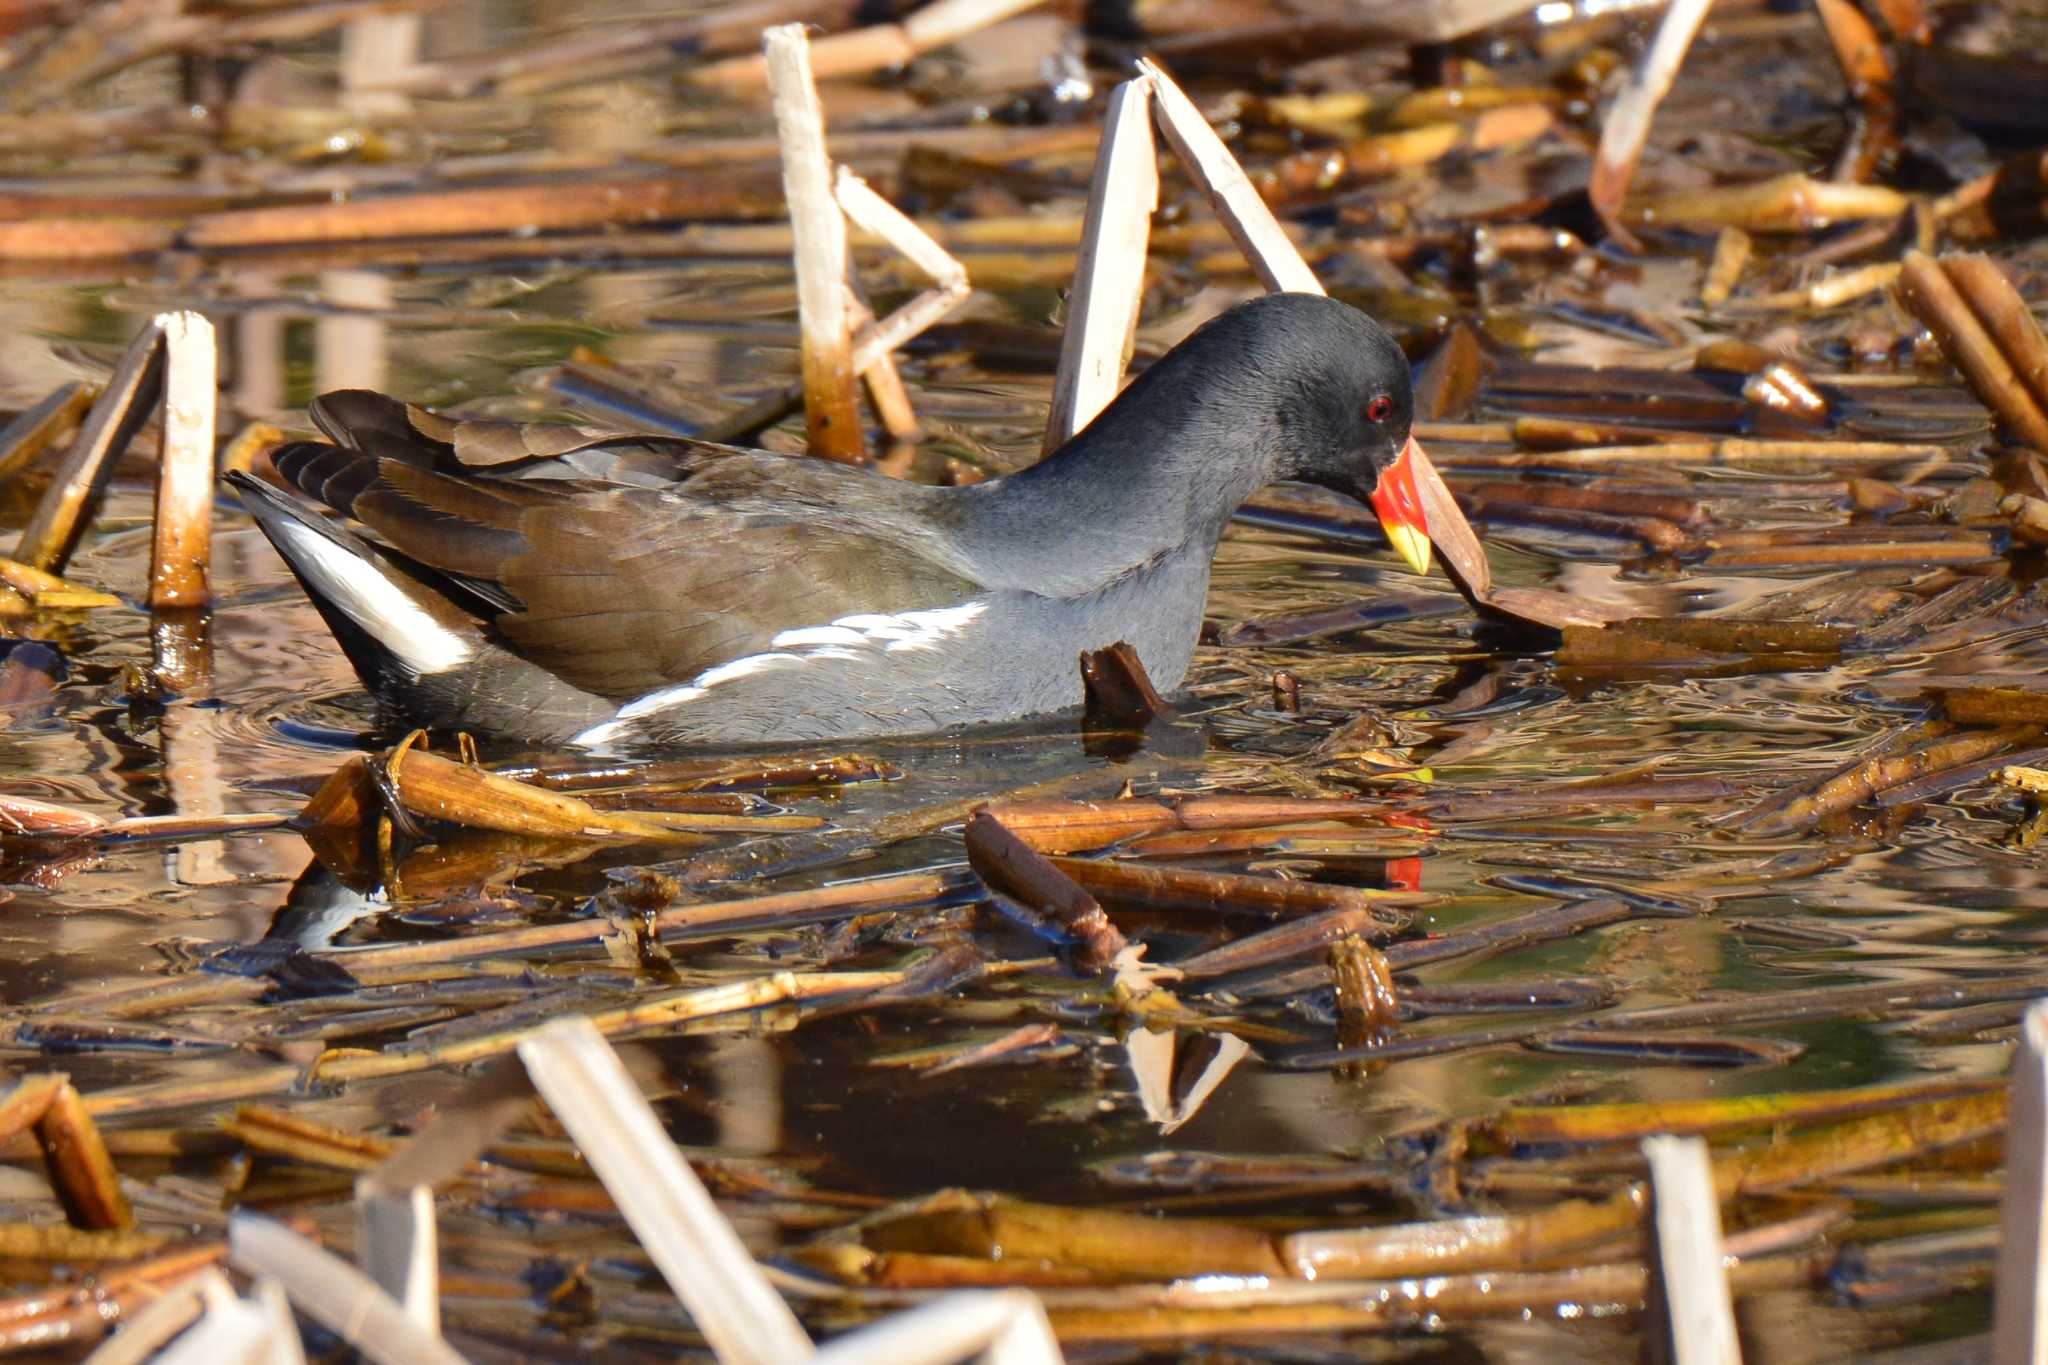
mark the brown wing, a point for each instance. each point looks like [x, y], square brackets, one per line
[358, 420]
[625, 590]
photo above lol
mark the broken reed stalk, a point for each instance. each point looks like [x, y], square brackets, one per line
[398, 1246]
[1118, 694]
[1783, 813]
[1690, 1281]
[1316, 174]
[492, 212]
[874, 47]
[1251, 224]
[1315, 934]
[1785, 203]
[437, 788]
[1368, 1006]
[1109, 275]
[1627, 125]
[1738, 452]
[1001, 1327]
[1865, 65]
[1464, 559]
[180, 551]
[1546, 1125]
[1931, 291]
[1013, 867]
[124, 1295]
[123, 406]
[334, 1293]
[1055, 825]
[886, 393]
[702, 1258]
[1182, 888]
[663, 1011]
[53, 419]
[871, 212]
[48, 592]
[2020, 1301]
[1499, 1240]
[844, 899]
[160, 1319]
[80, 1168]
[831, 407]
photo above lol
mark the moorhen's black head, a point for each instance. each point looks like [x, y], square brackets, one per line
[1314, 386]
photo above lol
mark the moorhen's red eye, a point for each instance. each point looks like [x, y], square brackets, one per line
[1380, 408]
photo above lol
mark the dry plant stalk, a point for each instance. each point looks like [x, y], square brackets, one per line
[80, 1169]
[874, 46]
[1051, 825]
[1179, 888]
[1788, 203]
[437, 788]
[831, 405]
[845, 898]
[1296, 938]
[23, 815]
[121, 409]
[1692, 1283]
[870, 211]
[1987, 332]
[1738, 452]
[2020, 1300]
[1859, 781]
[1176, 1072]
[181, 549]
[1465, 560]
[998, 1327]
[1865, 64]
[398, 1244]
[957, 1223]
[48, 592]
[1250, 222]
[1109, 275]
[1627, 125]
[83, 239]
[886, 392]
[1013, 867]
[667, 1206]
[55, 418]
[1512, 1239]
[1367, 1005]
[162, 1318]
[1317, 173]
[492, 212]
[663, 1011]
[334, 1293]
[1542, 1125]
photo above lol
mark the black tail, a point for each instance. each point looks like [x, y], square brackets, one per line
[394, 627]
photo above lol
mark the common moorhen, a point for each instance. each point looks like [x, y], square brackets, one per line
[558, 584]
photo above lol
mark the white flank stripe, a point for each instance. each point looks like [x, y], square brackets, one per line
[817, 635]
[844, 639]
[375, 603]
[597, 736]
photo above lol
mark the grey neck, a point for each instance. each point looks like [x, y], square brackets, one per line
[1125, 493]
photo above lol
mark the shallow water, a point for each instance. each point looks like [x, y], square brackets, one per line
[1944, 896]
